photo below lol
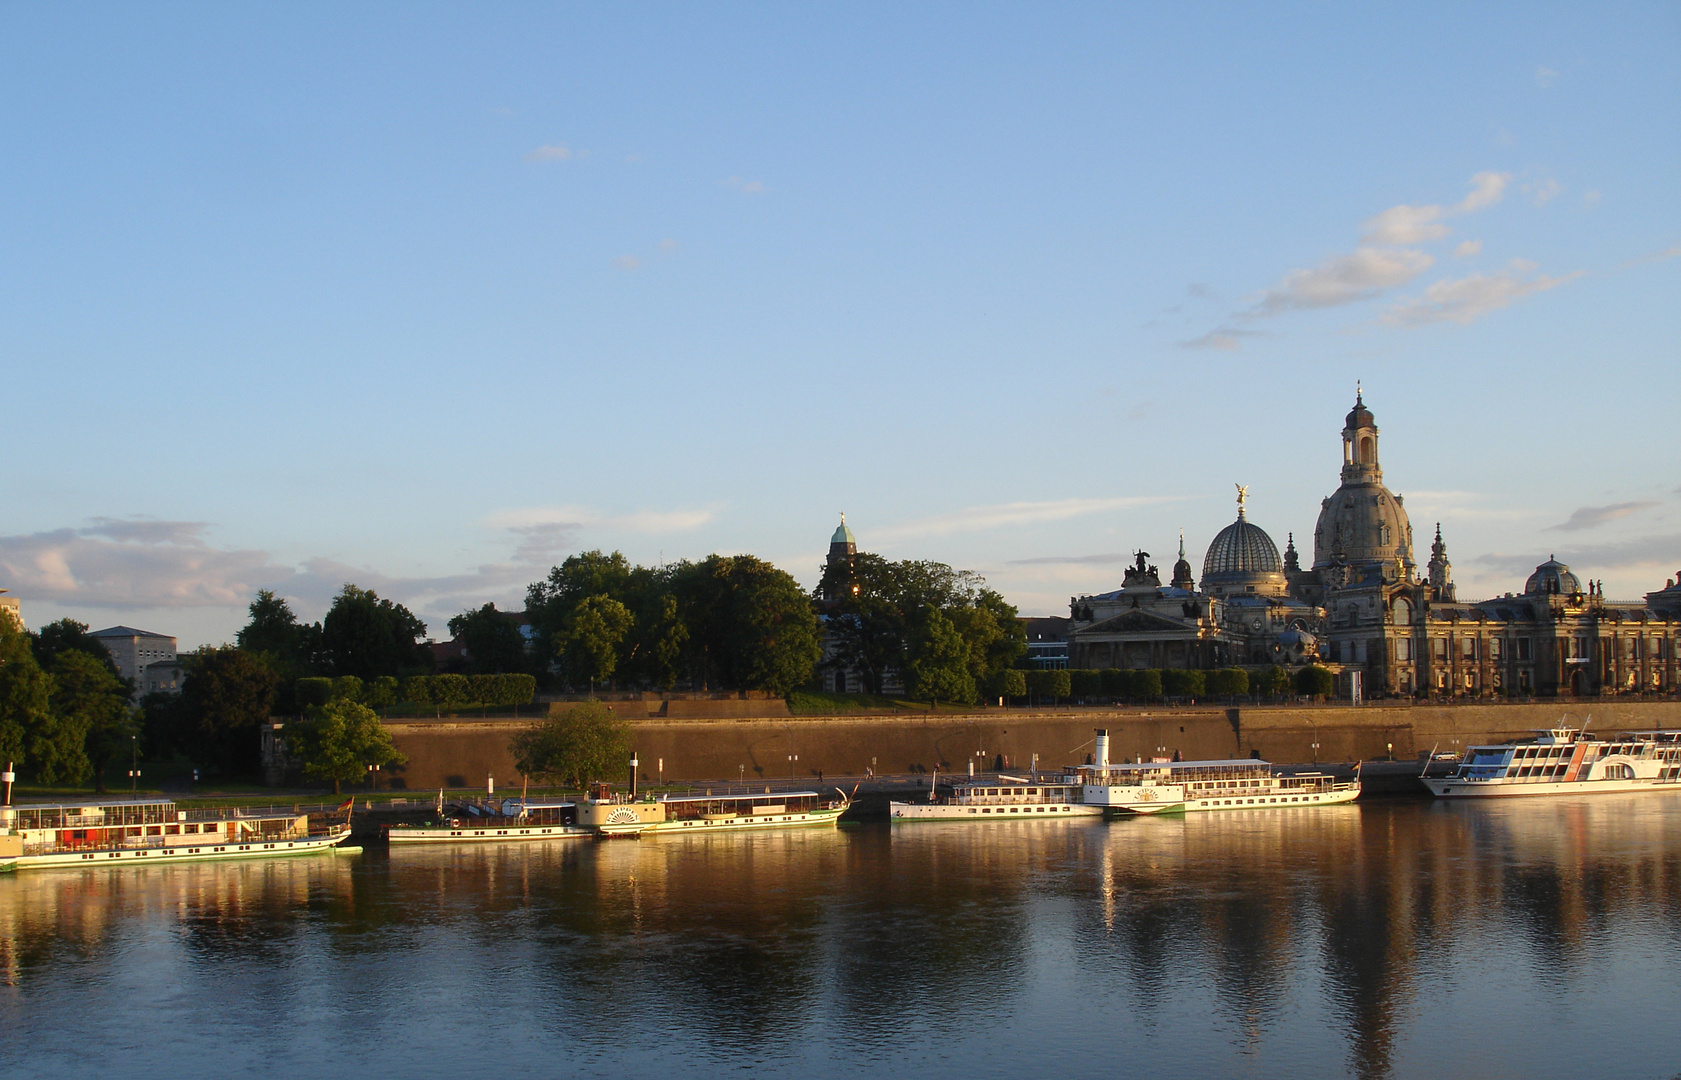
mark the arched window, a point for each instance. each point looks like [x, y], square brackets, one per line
[1402, 613]
[1368, 450]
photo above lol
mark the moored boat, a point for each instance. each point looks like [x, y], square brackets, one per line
[1157, 787]
[1001, 796]
[1565, 761]
[612, 814]
[156, 830]
[515, 820]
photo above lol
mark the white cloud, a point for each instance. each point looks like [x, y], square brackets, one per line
[1591, 197]
[627, 262]
[1587, 517]
[1543, 191]
[1656, 256]
[668, 244]
[1362, 274]
[1467, 248]
[137, 563]
[750, 187]
[1224, 338]
[579, 517]
[1403, 225]
[1406, 225]
[1016, 513]
[1545, 77]
[552, 152]
[1470, 298]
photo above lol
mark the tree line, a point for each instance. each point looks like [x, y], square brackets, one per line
[65, 713]
[1153, 684]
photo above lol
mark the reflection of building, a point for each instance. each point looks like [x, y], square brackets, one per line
[1364, 607]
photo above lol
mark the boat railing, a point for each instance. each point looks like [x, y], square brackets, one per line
[156, 843]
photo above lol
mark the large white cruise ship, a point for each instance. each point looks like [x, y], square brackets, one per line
[1565, 761]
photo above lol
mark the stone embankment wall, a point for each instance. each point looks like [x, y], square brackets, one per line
[463, 752]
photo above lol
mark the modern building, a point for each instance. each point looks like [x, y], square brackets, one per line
[134, 651]
[1366, 611]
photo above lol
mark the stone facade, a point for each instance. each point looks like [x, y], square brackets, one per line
[1366, 611]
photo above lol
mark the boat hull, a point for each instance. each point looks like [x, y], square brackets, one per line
[1450, 788]
[827, 817]
[1174, 800]
[256, 849]
[905, 812]
[444, 834]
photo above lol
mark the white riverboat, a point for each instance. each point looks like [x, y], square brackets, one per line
[1159, 787]
[514, 820]
[1565, 761]
[709, 811]
[1000, 797]
[156, 830]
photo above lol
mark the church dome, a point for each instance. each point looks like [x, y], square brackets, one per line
[1552, 576]
[1243, 560]
[843, 535]
[1359, 416]
[1242, 547]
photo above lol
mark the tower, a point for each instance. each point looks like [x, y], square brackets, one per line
[1182, 578]
[1441, 571]
[839, 569]
[1363, 528]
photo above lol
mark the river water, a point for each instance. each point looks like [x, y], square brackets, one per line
[1536, 938]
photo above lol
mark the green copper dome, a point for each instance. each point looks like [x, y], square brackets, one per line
[843, 535]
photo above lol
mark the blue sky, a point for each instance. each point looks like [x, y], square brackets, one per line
[429, 297]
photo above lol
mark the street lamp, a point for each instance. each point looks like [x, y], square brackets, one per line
[1316, 753]
[133, 763]
[791, 759]
[741, 774]
[373, 778]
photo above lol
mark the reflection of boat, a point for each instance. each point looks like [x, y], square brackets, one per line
[156, 830]
[1156, 787]
[1565, 761]
[619, 815]
[518, 819]
[1002, 796]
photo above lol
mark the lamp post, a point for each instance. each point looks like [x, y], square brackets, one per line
[741, 774]
[792, 758]
[373, 777]
[1391, 747]
[1316, 753]
[133, 764]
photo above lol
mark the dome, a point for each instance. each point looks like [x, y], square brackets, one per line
[1359, 416]
[1243, 559]
[1552, 576]
[1242, 548]
[843, 535]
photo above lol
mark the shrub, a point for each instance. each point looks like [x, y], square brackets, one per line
[1315, 681]
[1085, 684]
[312, 692]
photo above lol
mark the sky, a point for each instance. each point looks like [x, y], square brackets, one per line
[428, 297]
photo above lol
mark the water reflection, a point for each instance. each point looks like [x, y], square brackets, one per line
[1357, 940]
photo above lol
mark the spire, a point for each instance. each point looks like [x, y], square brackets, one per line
[1242, 497]
[1181, 543]
[1440, 570]
[1292, 562]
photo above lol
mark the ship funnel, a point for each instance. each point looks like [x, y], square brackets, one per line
[1100, 752]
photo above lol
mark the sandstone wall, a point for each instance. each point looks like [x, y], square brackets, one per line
[463, 752]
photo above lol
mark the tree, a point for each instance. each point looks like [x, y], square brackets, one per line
[1272, 680]
[583, 743]
[225, 698]
[93, 709]
[939, 662]
[56, 637]
[492, 640]
[751, 626]
[25, 691]
[339, 740]
[658, 641]
[550, 604]
[381, 693]
[365, 636]
[883, 604]
[293, 648]
[589, 644]
[1010, 683]
[1228, 682]
[1315, 681]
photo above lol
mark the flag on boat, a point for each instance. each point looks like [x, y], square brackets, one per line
[346, 805]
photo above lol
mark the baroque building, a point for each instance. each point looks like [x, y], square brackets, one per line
[1366, 611]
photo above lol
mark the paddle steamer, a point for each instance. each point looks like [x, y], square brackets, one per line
[1001, 796]
[612, 814]
[1159, 787]
[156, 830]
[1565, 761]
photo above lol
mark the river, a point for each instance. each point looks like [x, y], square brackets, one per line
[1534, 938]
